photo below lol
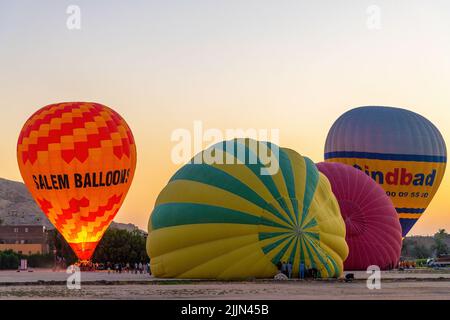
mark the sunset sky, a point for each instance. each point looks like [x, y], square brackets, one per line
[295, 66]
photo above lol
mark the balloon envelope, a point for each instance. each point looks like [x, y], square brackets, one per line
[78, 161]
[373, 231]
[401, 150]
[223, 219]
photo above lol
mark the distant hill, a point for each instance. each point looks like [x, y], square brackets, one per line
[126, 226]
[17, 207]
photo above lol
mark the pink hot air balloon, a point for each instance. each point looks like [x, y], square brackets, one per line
[374, 234]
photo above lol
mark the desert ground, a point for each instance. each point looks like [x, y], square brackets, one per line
[46, 284]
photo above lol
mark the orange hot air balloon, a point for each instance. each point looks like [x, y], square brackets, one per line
[78, 160]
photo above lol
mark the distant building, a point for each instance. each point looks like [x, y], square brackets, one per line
[24, 239]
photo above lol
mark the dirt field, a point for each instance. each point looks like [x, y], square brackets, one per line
[44, 284]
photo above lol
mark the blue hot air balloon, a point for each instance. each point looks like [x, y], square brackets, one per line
[401, 150]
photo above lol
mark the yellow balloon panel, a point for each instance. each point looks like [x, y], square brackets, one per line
[411, 185]
[227, 221]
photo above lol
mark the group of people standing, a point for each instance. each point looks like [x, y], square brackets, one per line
[142, 268]
[287, 268]
[406, 265]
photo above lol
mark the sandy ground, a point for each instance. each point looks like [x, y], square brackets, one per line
[47, 275]
[45, 284]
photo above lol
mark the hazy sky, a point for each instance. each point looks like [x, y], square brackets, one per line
[289, 65]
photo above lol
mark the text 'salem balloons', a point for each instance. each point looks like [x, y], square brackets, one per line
[374, 234]
[78, 161]
[401, 150]
[226, 220]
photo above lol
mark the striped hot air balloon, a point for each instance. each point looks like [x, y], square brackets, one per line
[401, 150]
[374, 234]
[233, 216]
[78, 161]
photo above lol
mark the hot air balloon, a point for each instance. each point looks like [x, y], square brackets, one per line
[78, 161]
[231, 213]
[373, 231]
[401, 150]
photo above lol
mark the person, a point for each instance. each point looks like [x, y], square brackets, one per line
[314, 273]
[302, 270]
[284, 268]
[140, 267]
[279, 266]
[135, 268]
[289, 269]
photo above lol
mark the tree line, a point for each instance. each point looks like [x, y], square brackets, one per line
[116, 246]
[413, 247]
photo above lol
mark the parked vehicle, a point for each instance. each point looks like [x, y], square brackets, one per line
[439, 262]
